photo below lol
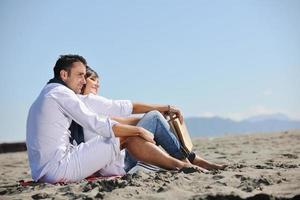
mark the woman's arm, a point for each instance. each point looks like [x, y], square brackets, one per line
[128, 120]
[107, 107]
[143, 108]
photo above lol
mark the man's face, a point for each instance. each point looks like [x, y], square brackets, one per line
[75, 78]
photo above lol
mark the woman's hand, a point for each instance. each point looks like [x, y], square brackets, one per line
[174, 110]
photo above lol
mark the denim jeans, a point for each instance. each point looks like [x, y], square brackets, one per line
[155, 122]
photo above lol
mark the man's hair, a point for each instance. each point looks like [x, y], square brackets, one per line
[65, 63]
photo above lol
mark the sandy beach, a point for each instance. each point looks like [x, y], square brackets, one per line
[261, 166]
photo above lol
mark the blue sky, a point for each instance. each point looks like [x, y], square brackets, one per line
[231, 58]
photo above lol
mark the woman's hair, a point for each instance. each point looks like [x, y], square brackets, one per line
[90, 73]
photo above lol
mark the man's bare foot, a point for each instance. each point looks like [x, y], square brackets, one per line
[217, 166]
[198, 161]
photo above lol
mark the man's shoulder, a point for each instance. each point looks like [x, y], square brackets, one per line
[56, 88]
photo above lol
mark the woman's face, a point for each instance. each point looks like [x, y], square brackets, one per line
[92, 86]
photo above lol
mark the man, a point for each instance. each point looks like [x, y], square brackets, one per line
[51, 156]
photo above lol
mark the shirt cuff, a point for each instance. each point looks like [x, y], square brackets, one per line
[127, 104]
[111, 124]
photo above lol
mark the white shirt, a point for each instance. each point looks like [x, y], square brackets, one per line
[50, 116]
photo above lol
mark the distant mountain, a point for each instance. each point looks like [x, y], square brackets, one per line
[276, 116]
[217, 126]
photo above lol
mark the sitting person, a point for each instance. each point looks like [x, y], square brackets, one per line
[52, 158]
[154, 122]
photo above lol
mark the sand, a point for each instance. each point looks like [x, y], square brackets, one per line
[261, 166]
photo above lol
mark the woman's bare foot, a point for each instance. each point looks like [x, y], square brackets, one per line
[188, 166]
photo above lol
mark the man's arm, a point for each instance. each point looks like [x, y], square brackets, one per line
[72, 106]
[123, 130]
[127, 120]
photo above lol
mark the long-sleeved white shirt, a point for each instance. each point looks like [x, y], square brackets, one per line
[49, 119]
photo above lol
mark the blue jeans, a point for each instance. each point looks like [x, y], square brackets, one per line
[155, 122]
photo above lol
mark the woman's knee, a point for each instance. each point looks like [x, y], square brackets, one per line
[155, 114]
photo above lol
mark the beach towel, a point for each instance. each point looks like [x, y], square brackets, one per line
[140, 166]
[25, 183]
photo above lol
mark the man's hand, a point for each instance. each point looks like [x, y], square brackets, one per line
[176, 111]
[147, 135]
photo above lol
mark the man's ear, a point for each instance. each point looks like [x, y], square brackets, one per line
[63, 74]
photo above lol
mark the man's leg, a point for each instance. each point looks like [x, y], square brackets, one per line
[155, 123]
[84, 160]
[200, 162]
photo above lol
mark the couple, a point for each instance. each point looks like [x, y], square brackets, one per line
[68, 99]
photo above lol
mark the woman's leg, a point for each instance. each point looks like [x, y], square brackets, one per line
[129, 161]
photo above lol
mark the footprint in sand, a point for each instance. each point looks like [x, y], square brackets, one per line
[221, 157]
[263, 167]
[217, 177]
[286, 166]
[221, 183]
[289, 155]
[249, 184]
[237, 166]
[211, 147]
[41, 196]
[64, 189]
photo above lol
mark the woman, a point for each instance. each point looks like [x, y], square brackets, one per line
[154, 122]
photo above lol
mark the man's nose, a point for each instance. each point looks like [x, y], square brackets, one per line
[83, 81]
